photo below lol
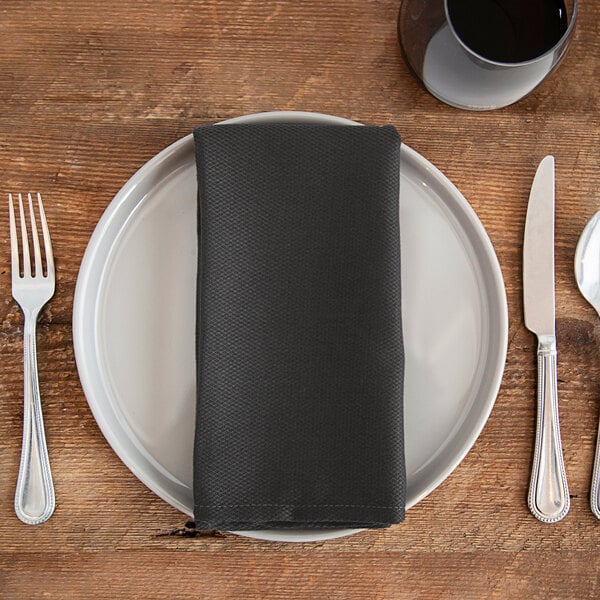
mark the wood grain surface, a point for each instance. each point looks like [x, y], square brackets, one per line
[90, 91]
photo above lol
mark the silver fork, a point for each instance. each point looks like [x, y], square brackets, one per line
[32, 288]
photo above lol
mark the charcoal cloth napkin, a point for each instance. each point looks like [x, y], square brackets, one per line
[299, 420]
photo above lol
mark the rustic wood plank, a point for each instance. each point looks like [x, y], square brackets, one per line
[252, 575]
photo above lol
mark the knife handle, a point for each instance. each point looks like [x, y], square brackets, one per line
[548, 491]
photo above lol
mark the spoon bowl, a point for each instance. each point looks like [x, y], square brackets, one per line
[587, 262]
[587, 274]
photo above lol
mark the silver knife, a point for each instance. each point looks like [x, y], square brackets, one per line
[548, 491]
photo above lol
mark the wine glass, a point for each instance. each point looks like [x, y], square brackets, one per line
[484, 54]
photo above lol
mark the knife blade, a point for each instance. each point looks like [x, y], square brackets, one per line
[548, 491]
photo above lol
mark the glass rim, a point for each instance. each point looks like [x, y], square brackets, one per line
[497, 63]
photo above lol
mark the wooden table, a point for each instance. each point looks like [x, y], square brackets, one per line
[90, 91]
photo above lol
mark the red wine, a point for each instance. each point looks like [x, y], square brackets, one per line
[508, 31]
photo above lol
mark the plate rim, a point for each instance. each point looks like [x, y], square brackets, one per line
[80, 302]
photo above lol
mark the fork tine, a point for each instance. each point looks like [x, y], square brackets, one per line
[14, 242]
[25, 240]
[47, 241]
[37, 254]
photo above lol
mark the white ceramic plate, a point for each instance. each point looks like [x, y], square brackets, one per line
[134, 323]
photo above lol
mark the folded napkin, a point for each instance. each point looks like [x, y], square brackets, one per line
[299, 420]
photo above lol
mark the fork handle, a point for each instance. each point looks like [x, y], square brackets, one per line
[34, 497]
[548, 491]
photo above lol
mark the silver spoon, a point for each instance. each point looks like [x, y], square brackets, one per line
[587, 273]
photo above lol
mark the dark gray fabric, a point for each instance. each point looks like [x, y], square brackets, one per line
[300, 360]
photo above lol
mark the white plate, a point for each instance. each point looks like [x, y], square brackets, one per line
[134, 323]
